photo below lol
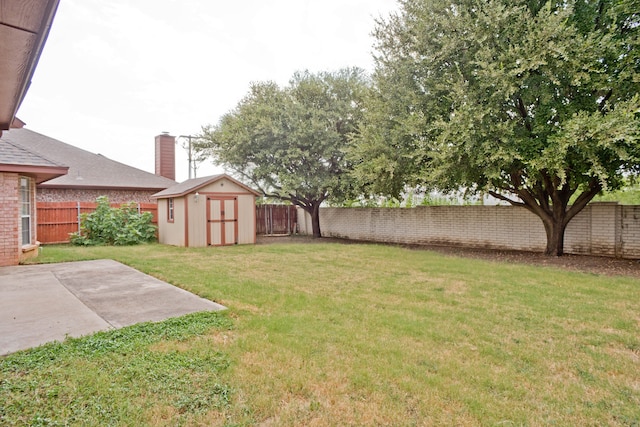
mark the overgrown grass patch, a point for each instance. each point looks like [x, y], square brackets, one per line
[120, 377]
[331, 334]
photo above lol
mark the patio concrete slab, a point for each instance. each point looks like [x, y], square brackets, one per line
[48, 302]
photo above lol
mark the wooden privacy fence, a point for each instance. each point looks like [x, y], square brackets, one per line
[56, 220]
[276, 219]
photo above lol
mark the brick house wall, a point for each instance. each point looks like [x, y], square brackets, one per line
[88, 195]
[11, 249]
[9, 218]
[605, 229]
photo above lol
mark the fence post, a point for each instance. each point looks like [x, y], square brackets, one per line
[618, 231]
[266, 224]
[138, 208]
[78, 208]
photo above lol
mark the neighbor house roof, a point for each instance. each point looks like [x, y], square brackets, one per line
[24, 27]
[14, 158]
[195, 184]
[86, 170]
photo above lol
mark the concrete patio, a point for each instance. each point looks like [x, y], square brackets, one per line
[48, 302]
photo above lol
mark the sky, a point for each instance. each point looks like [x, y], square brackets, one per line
[114, 74]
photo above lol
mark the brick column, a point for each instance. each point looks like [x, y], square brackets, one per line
[9, 219]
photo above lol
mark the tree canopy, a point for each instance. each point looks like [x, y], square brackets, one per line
[535, 102]
[290, 142]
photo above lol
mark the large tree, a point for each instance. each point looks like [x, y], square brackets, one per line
[290, 142]
[534, 102]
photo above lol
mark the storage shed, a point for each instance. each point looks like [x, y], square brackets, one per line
[210, 211]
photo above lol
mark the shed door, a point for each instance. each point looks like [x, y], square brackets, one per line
[222, 219]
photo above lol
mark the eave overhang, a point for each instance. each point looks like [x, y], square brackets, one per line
[54, 186]
[39, 173]
[24, 27]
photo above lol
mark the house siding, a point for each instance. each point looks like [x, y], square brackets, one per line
[246, 219]
[197, 220]
[171, 233]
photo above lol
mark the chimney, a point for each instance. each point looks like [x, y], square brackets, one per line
[166, 155]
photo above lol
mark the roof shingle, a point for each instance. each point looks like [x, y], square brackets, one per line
[86, 169]
[14, 158]
[13, 154]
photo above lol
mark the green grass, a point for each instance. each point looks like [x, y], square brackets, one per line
[331, 334]
[129, 376]
[629, 194]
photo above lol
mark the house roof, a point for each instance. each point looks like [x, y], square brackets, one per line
[24, 27]
[194, 184]
[14, 158]
[86, 169]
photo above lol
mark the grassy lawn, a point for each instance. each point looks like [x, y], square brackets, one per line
[331, 334]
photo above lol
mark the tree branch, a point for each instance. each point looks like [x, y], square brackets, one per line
[551, 190]
[583, 199]
[505, 198]
[530, 202]
[250, 178]
[523, 112]
[598, 20]
[542, 196]
[603, 103]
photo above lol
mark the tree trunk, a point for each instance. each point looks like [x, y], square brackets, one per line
[315, 221]
[312, 207]
[549, 201]
[555, 229]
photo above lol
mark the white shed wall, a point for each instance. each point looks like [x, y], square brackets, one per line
[246, 219]
[197, 220]
[190, 216]
[171, 233]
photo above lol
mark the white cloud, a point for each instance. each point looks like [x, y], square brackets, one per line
[115, 74]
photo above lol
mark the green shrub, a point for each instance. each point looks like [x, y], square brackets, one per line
[114, 226]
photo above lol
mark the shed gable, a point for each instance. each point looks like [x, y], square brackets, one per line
[224, 185]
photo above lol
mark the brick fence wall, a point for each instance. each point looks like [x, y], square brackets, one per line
[606, 229]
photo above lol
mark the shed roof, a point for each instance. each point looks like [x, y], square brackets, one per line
[86, 169]
[195, 184]
[14, 158]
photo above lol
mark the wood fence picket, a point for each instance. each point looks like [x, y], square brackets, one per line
[56, 220]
